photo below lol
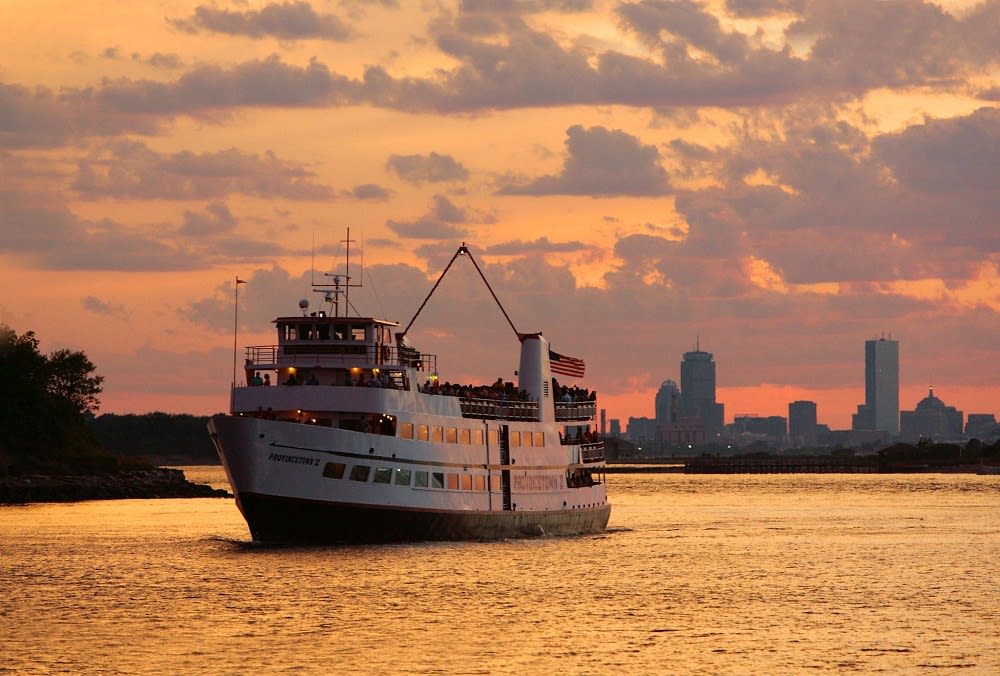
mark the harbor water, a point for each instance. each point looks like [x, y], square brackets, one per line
[719, 574]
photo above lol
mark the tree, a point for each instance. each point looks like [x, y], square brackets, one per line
[43, 401]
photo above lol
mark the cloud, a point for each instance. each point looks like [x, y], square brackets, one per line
[284, 21]
[100, 307]
[217, 221]
[368, 191]
[440, 222]
[431, 168]
[129, 169]
[946, 155]
[600, 162]
[539, 246]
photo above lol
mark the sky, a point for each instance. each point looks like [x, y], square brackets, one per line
[775, 181]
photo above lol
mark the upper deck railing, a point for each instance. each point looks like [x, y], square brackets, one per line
[502, 410]
[576, 410]
[332, 354]
[592, 451]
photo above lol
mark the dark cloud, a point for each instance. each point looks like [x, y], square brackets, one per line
[100, 307]
[130, 169]
[368, 191]
[268, 82]
[217, 220]
[600, 162]
[946, 155]
[40, 117]
[431, 168]
[539, 246]
[284, 21]
[444, 221]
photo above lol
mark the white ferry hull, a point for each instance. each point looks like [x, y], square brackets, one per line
[277, 472]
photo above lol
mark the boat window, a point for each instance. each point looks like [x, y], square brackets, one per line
[437, 479]
[340, 331]
[383, 475]
[437, 433]
[357, 333]
[406, 430]
[453, 482]
[289, 332]
[334, 470]
[526, 438]
[422, 432]
[480, 482]
[515, 439]
[463, 436]
[451, 435]
[420, 479]
[494, 482]
[403, 477]
[466, 482]
[492, 436]
[323, 331]
[539, 438]
[477, 437]
[360, 472]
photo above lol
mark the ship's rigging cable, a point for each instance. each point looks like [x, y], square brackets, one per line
[463, 251]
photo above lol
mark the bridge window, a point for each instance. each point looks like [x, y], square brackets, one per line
[357, 333]
[334, 470]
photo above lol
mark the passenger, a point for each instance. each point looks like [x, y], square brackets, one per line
[292, 380]
[267, 379]
[312, 380]
[257, 380]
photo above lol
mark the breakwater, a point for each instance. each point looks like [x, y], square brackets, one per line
[158, 482]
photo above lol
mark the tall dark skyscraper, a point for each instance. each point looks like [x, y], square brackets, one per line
[881, 408]
[802, 422]
[698, 391]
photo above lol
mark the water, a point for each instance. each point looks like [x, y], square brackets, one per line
[699, 574]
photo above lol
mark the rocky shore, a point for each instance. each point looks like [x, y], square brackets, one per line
[135, 484]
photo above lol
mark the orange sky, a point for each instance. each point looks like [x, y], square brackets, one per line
[779, 181]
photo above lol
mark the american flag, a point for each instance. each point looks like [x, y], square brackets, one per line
[566, 366]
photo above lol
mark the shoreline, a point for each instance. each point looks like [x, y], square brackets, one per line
[155, 483]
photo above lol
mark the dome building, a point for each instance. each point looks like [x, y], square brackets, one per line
[931, 419]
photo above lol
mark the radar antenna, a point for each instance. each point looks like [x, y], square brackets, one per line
[341, 285]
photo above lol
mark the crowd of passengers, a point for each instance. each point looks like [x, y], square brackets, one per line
[498, 391]
[507, 391]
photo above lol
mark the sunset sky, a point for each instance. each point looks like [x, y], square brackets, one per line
[775, 180]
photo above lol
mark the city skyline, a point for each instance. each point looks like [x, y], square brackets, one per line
[780, 179]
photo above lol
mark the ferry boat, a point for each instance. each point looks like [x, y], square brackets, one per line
[356, 438]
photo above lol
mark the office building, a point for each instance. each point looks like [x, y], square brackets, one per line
[802, 426]
[697, 397]
[881, 408]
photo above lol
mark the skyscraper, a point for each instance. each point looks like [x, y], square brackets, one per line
[667, 400]
[802, 423]
[698, 391]
[881, 408]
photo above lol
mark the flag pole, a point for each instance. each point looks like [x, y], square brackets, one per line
[236, 324]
